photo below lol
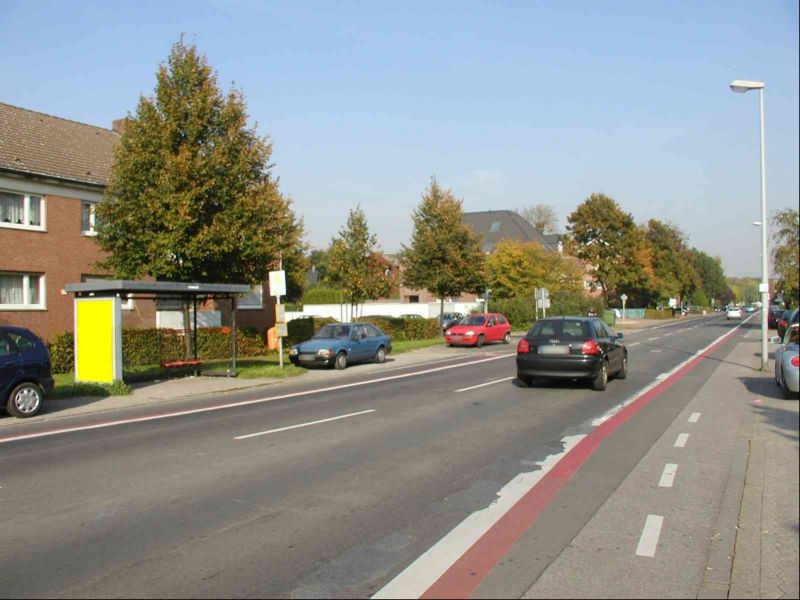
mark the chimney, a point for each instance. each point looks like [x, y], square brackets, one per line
[119, 125]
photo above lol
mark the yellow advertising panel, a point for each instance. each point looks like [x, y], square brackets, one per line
[97, 357]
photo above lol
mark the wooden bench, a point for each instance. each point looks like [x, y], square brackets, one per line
[181, 363]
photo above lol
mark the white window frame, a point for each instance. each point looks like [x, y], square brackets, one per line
[26, 212]
[26, 292]
[92, 231]
[257, 289]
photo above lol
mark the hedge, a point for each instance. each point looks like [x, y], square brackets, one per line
[652, 313]
[152, 346]
[320, 295]
[401, 329]
[304, 329]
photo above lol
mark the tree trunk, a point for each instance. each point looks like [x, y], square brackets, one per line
[441, 315]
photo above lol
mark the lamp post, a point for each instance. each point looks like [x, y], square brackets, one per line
[739, 86]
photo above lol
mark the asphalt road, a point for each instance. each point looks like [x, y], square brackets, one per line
[178, 507]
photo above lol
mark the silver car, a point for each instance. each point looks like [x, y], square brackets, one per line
[787, 362]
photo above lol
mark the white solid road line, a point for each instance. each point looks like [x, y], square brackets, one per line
[195, 411]
[650, 534]
[668, 476]
[480, 385]
[694, 417]
[347, 416]
[681, 441]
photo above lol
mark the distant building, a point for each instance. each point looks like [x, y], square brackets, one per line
[497, 225]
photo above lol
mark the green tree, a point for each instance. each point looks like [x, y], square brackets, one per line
[675, 275]
[355, 264]
[319, 260]
[603, 235]
[786, 253]
[445, 255]
[711, 277]
[191, 197]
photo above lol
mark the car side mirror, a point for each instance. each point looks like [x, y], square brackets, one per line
[619, 336]
[775, 339]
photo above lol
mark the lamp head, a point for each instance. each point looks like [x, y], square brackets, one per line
[740, 86]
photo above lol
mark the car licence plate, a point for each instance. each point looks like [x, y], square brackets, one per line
[455, 338]
[553, 349]
[307, 357]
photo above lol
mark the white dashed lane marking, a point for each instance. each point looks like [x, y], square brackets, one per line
[648, 542]
[682, 439]
[668, 476]
[694, 417]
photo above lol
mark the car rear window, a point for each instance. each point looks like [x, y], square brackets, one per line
[560, 328]
[22, 342]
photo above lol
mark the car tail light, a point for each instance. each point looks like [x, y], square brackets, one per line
[783, 323]
[590, 347]
[523, 347]
[795, 361]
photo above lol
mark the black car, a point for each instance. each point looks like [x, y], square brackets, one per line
[787, 318]
[572, 348]
[25, 375]
[773, 316]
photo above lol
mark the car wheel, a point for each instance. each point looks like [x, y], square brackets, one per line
[380, 355]
[479, 343]
[526, 379]
[600, 382]
[507, 338]
[341, 361]
[787, 395]
[25, 400]
[623, 371]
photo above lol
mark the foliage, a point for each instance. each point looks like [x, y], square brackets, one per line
[699, 298]
[744, 289]
[402, 329]
[515, 268]
[190, 196]
[518, 310]
[786, 253]
[354, 263]
[711, 277]
[570, 303]
[300, 330]
[445, 255]
[70, 389]
[62, 352]
[542, 216]
[673, 268]
[322, 295]
[603, 235]
[153, 346]
[652, 313]
[319, 260]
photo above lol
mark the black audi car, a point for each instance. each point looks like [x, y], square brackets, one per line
[572, 348]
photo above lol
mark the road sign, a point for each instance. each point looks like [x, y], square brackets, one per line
[542, 293]
[623, 297]
[282, 330]
[544, 303]
[277, 283]
[280, 313]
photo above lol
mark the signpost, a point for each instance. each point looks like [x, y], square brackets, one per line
[542, 296]
[623, 297]
[277, 288]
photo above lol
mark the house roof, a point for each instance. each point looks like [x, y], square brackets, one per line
[33, 143]
[496, 225]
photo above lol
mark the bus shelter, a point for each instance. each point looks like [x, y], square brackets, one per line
[98, 319]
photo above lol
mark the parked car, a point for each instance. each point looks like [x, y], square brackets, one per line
[449, 319]
[749, 308]
[787, 361]
[479, 329]
[787, 318]
[339, 344]
[773, 316]
[572, 348]
[734, 312]
[26, 378]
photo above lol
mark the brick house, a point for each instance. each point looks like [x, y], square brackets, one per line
[53, 172]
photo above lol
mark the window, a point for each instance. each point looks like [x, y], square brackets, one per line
[22, 342]
[373, 332]
[254, 300]
[21, 291]
[5, 345]
[413, 299]
[88, 218]
[495, 226]
[21, 211]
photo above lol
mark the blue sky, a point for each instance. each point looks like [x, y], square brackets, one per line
[508, 103]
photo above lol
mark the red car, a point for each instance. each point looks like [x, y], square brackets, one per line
[478, 329]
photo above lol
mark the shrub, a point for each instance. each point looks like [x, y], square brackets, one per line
[151, 346]
[565, 303]
[322, 295]
[652, 313]
[303, 329]
[401, 329]
[518, 311]
[62, 352]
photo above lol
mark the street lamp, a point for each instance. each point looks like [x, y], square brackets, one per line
[739, 86]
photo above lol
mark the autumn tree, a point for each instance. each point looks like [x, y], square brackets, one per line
[542, 216]
[356, 265]
[445, 255]
[515, 269]
[786, 253]
[603, 235]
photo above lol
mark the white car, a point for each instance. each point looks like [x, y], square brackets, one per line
[734, 312]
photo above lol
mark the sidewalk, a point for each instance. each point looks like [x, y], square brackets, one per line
[730, 519]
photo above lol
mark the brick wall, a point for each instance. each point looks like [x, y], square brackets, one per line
[63, 255]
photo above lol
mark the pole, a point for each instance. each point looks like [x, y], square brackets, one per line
[764, 257]
[280, 339]
[233, 334]
[194, 333]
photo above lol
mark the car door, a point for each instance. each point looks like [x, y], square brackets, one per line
[360, 344]
[616, 349]
[10, 364]
[604, 341]
[491, 329]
